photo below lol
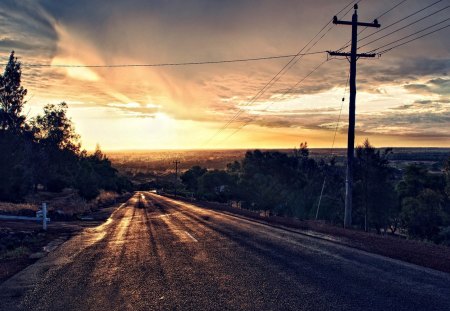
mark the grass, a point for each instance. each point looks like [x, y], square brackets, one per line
[13, 207]
[106, 198]
[15, 253]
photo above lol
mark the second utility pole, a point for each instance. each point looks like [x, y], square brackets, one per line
[351, 118]
[176, 162]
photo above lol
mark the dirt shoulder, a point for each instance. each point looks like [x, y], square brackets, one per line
[24, 242]
[416, 252]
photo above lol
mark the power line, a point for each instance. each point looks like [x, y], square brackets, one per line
[384, 51]
[378, 17]
[332, 145]
[170, 64]
[278, 77]
[386, 12]
[274, 79]
[397, 30]
[403, 43]
[340, 114]
[401, 20]
[270, 104]
[279, 74]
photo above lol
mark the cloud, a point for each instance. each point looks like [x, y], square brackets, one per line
[136, 109]
[139, 32]
[439, 86]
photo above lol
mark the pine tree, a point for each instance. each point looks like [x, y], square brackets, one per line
[12, 96]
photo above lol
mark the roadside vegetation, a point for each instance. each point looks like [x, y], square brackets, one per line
[412, 202]
[41, 160]
[43, 154]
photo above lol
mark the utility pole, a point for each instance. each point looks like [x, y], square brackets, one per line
[176, 162]
[351, 118]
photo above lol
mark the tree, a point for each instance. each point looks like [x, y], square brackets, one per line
[15, 142]
[55, 129]
[15, 173]
[422, 215]
[374, 195]
[269, 178]
[422, 199]
[45, 151]
[57, 154]
[447, 178]
[333, 197]
[12, 96]
[216, 185]
[191, 176]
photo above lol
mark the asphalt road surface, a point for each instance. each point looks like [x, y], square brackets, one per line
[172, 255]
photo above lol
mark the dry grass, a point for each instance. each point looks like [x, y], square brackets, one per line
[67, 202]
[12, 207]
[106, 198]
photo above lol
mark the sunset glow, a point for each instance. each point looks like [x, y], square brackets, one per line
[403, 97]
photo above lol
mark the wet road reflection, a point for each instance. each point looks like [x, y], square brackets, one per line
[156, 253]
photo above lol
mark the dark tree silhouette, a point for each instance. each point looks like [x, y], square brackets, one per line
[12, 96]
[374, 194]
[46, 150]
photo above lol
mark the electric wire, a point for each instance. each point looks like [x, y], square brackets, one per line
[170, 64]
[332, 145]
[403, 43]
[383, 14]
[400, 20]
[397, 30]
[291, 89]
[279, 74]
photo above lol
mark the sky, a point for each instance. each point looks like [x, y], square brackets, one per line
[403, 96]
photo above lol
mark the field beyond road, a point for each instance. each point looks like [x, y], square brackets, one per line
[173, 255]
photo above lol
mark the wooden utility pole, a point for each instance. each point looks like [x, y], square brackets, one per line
[351, 118]
[176, 162]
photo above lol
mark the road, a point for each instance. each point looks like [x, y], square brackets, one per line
[172, 255]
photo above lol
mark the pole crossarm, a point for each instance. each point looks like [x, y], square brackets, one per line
[375, 23]
[332, 53]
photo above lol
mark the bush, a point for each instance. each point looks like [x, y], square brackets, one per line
[56, 185]
[106, 198]
[444, 236]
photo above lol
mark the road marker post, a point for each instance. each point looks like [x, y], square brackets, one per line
[44, 216]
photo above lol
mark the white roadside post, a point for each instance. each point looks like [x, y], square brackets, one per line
[44, 216]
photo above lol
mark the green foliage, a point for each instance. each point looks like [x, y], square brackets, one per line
[56, 184]
[283, 184]
[264, 176]
[46, 150]
[216, 185]
[87, 181]
[15, 161]
[447, 178]
[57, 148]
[95, 173]
[191, 176]
[375, 201]
[422, 215]
[15, 142]
[12, 96]
[55, 130]
[444, 236]
[422, 201]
